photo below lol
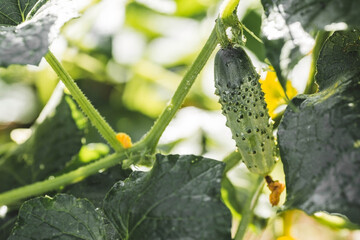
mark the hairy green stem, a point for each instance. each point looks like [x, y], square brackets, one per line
[45, 186]
[247, 215]
[320, 39]
[96, 119]
[153, 136]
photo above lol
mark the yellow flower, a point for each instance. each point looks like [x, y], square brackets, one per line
[274, 93]
[124, 139]
[285, 238]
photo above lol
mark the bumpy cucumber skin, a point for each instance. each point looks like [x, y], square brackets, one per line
[243, 104]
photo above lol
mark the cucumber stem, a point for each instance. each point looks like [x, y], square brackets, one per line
[96, 119]
[221, 33]
[45, 186]
[231, 160]
[247, 215]
[319, 41]
[151, 139]
[229, 6]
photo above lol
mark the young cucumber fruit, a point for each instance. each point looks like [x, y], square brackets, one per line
[243, 104]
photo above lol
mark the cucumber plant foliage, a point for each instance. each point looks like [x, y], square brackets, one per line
[180, 191]
[28, 27]
[180, 196]
[319, 144]
[289, 24]
[68, 218]
[55, 139]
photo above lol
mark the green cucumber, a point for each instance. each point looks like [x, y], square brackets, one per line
[243, 104]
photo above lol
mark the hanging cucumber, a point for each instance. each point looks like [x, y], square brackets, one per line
[243, 104]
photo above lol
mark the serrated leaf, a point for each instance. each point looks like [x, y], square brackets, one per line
[61, 217]
[178, 199]
[56, 138]
[320, 143]
[28, 27]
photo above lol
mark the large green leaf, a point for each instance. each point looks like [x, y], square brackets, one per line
[28, 27]
[61, 217]
[56, 138]
[178, 199]
[320, 143]
[315, 14]
[288, 23]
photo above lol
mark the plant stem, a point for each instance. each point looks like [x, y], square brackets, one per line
[221, 33]
[45, 186]
[320, 39]
[231, 160]
[247, 215]
[153, 136]
[252, 34]
[287, 222]
[229, 8]
[96, 119]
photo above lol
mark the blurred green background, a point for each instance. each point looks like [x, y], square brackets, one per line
[128, 57]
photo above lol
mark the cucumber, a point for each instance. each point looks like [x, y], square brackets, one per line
[243, 104]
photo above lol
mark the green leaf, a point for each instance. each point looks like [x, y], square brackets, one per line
[233, 197]
[28, 27]
[61, 217]
[87, 154]
[178, 199]
[315, 14]
[56, 138]
[95, 187]
[285, 43]
[320, 143]
[288, 23]
[7, 223]
[14, 12]
[339, 58]
[273, 52]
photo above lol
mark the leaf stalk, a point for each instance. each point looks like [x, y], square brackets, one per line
[153, 136]
[54, 183]
[248, 213]
[96, 119]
